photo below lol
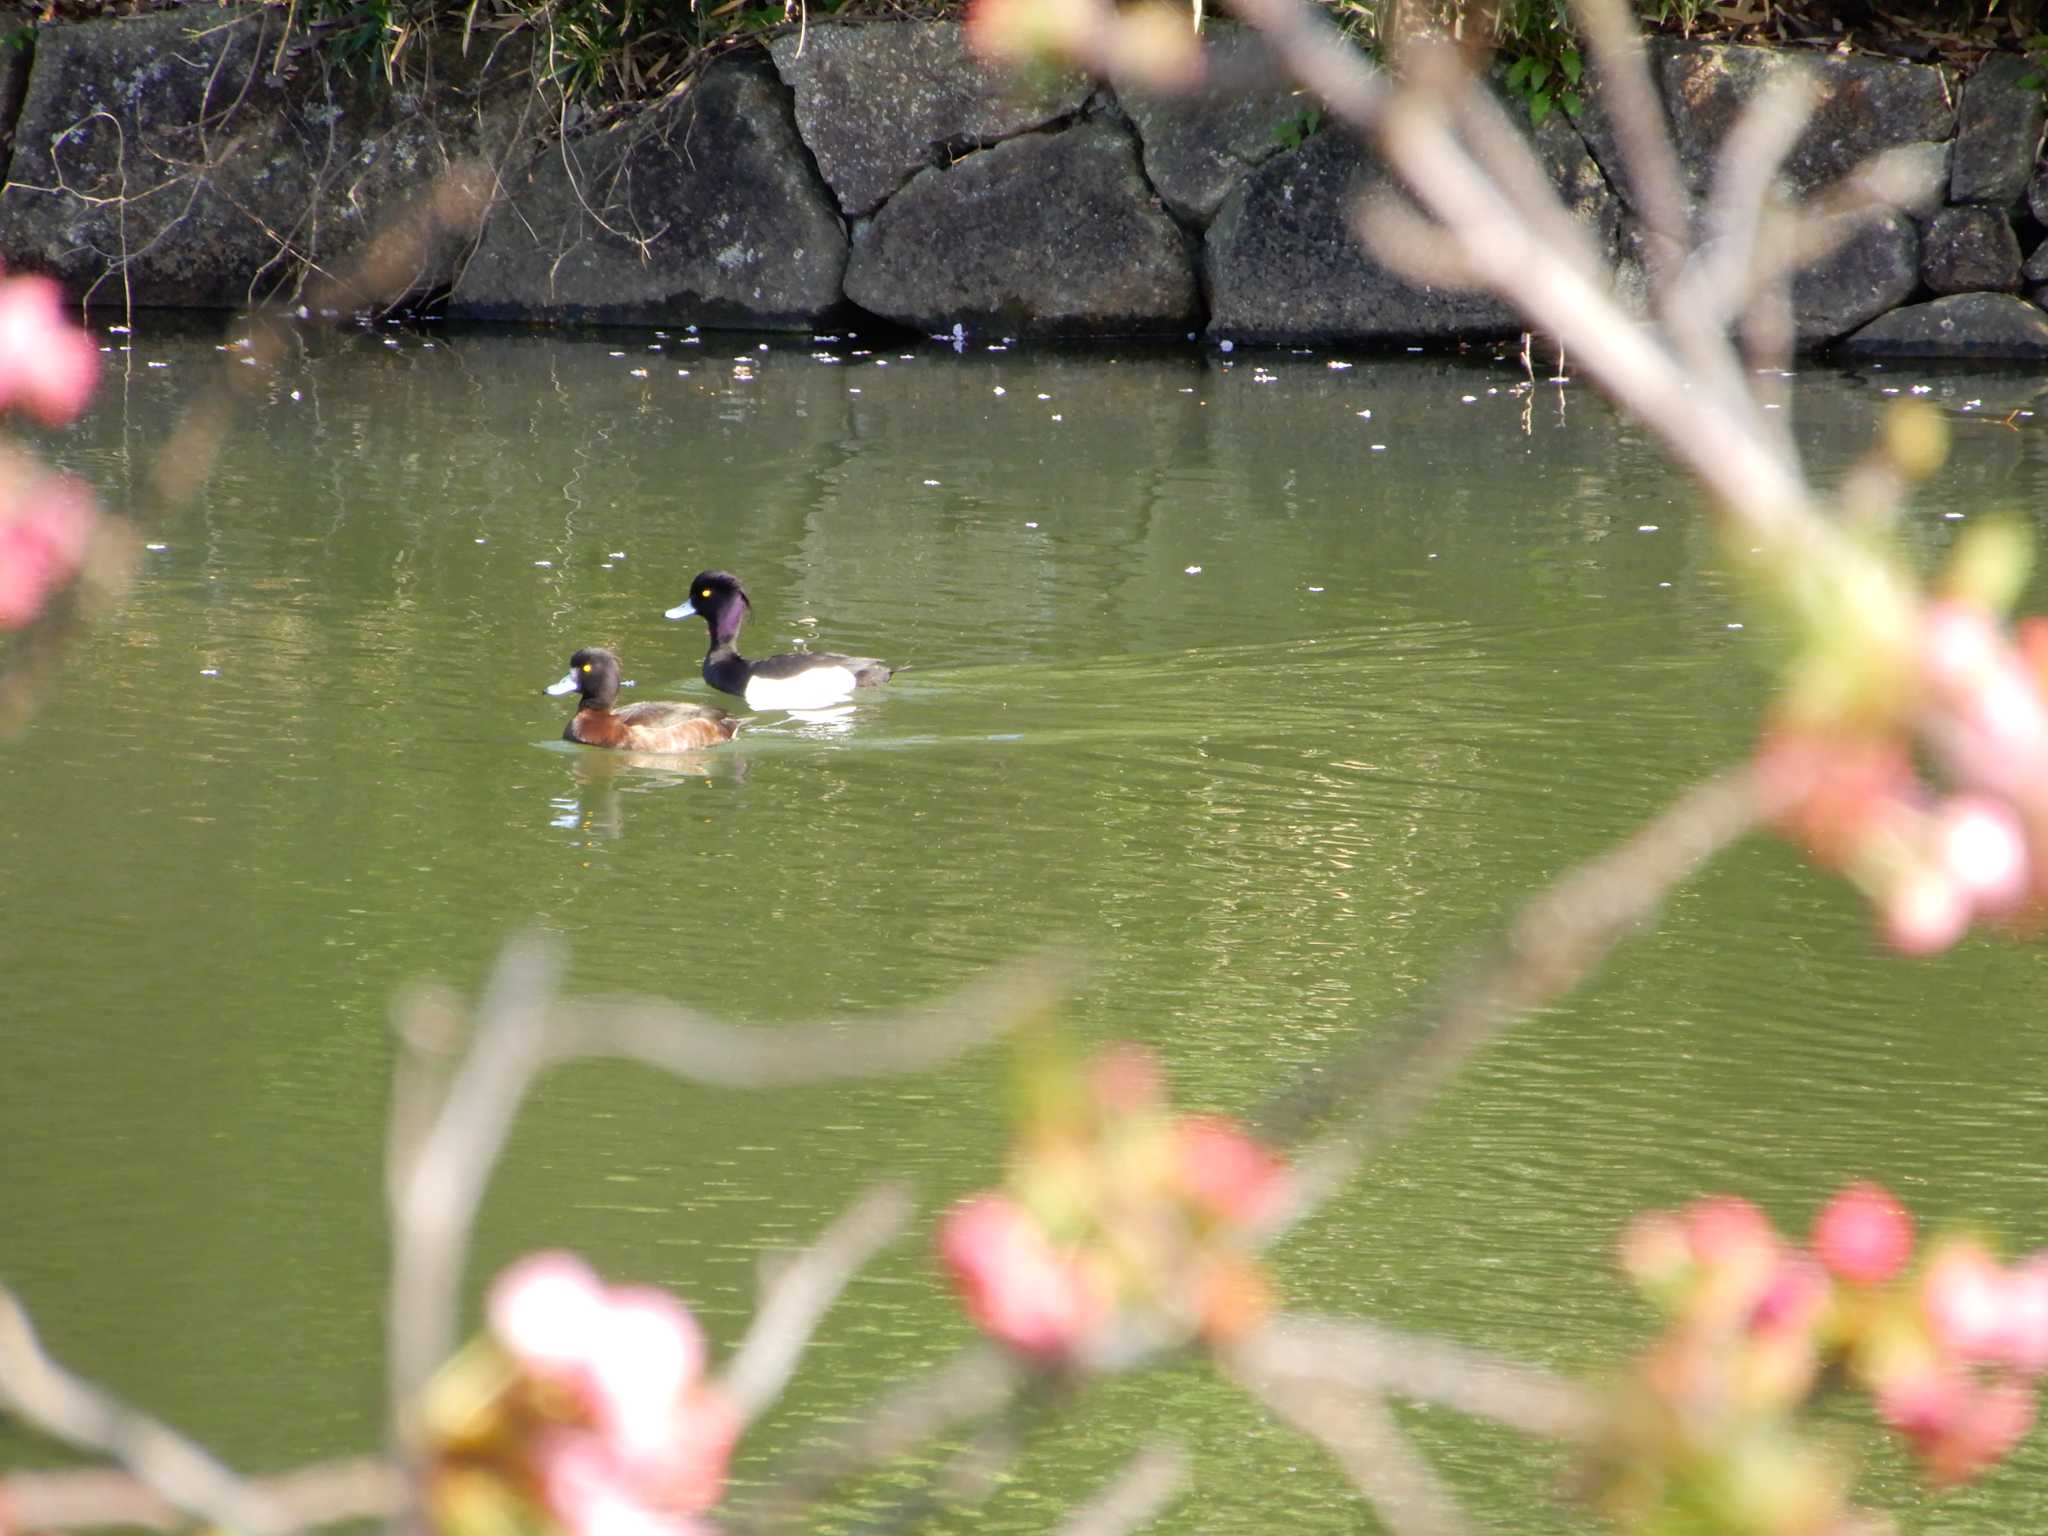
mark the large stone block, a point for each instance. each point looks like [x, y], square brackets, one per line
[877, 104]
[1199, 145]
[1865, 105]
[1970, 250]
[1285, 264]
[157, 158]
[1047, 234]
[1979, 325]
[702, 210]
[1998, 132]
[1874, 269]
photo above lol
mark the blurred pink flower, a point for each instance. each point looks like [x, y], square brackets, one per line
[1982, 846]
[584, 1488]
[1722, 1228]
[1924, 913]
[1655, 1249]
[1963, 1297]
[48, 366]
[1226, 1173]
[1015, 1284]
[1863, 1235]
[630, 1358]
[2025, 1342]
[1127, 1079]
[546, 1311]
[46, 523]
[644, 1353]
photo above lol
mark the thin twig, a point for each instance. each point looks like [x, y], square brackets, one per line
[1556, 940]
[522, 1031]
[1380, 1361]
[1135, 1497]
[35, 1388]
[800, 1290]
[973, 1385]
[101, 1498]
[1363, 1439]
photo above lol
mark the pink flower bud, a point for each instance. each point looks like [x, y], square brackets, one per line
[1994, 1419]
[1225, 1172]
[1792, 1301]
[1015, 1284]
[1863, 1235]
[2024, 1345]
[1959, 645]
[1655, 1251]
[1724, 1229]
[591, 1495]
[1127, 1080]
[47, 366]
[1963, 1298]
[544, 1312]
[643, 1352]
[45, 526]
[1982, 845]
[1924, 912]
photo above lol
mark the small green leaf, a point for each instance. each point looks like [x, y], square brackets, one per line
[1539, 108]
[1518, 72]
[1572, 65]
[1572, 104]
[1539, 74]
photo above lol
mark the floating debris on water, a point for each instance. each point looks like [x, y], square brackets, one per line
[1646, 527]
[1193, 570]
[158, 547]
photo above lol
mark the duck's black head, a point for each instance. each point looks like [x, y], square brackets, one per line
[718, 598]
[594, 673]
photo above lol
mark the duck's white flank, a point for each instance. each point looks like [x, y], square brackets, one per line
[812, 688]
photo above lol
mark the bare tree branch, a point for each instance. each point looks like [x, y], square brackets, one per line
[798, 1292]
[99, 1498]
[973, 1385]
[37, 1389]
[1363, 1439]
[1555, 941]
[1379, 1361]
[522, 1031]
[1135, 1497]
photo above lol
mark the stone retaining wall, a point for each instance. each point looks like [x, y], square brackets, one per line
[199, 158]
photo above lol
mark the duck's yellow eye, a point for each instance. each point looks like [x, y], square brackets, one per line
[586, 666]
[705, 593]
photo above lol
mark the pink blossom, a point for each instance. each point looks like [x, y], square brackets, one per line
[1226, 1172]
[1792, 1301]
[2024, 1338]
[1963, 1298]
[1863, 1235]
[1655, 1249]
[1725, 1228]
[1924, 913]
[1019, 1287]
[585, 1488]
[1959, 645]
[546, 1311]
[45, 526]
[1993, 1420]
[48, 367]
[1922, 1401]
[1127, 1080]
[1982, 845]
[643, 1351]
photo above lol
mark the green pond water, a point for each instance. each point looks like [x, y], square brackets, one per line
[1267, 683]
